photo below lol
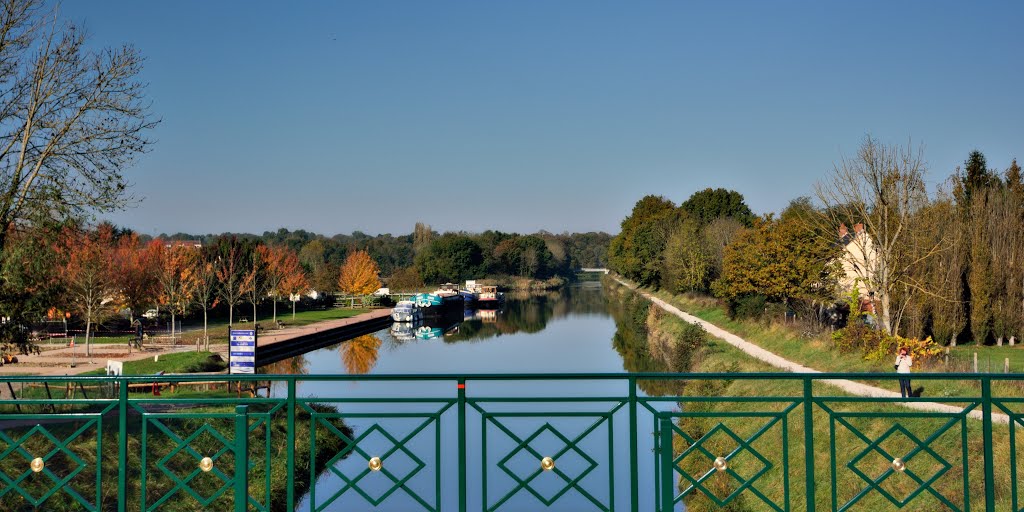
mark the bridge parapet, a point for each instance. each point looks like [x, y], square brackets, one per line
[505, 442]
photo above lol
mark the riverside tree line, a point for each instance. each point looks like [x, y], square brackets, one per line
[945, 264]
[95, 272]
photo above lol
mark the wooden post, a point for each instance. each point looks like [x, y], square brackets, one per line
[1006, 365]
[975, 362]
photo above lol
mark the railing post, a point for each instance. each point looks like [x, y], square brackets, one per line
[462, 444]
[122, 445]
[986, 429]
[241, 458]
[809, 442]
[668, 491]
[291, 445]
[634, 479]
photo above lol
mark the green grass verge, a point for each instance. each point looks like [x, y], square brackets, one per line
[267, 455]
[179, 362]
[718, 356]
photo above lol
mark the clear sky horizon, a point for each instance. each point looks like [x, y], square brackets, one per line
[519, 116]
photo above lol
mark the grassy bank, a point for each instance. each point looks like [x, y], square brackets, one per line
[649, 339]
[180, 362]
[163, 437]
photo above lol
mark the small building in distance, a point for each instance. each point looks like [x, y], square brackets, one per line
[859, 262]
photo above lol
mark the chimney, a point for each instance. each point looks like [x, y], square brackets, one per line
[842, 230]
[858, 228]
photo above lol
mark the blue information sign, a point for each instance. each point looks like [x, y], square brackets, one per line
[242, 352]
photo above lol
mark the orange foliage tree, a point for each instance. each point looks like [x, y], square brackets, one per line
[175, 275]
[295, 282]
[359, 274]
[137, 268]
[92, 288]
[204, 293]
[282, 266]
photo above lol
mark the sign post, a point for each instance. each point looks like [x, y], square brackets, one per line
[242, 351]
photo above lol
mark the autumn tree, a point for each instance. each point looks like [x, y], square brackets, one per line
[294, 282]
[176, 276]
[254, 282]
[229, 260]
[717, 236]
[359, 274]
[92, 288]
[405, 279]
[944, 308]
[781, 260]
[282, 266]
[882, 187]
[206, 286]
[73, 117]
[688, 263]
[137, 269]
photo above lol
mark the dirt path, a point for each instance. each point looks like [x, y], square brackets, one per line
[755, 351]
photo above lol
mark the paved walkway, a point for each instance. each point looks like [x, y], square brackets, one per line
[755, 351]
[57, 361]
[289, 333]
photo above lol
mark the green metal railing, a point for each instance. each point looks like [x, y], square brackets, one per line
[506, 442]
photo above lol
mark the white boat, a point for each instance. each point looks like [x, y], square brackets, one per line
[406, 311]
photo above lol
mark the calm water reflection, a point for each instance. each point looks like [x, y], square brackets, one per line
[578, 329]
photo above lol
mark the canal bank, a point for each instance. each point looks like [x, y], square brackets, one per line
[296, 341]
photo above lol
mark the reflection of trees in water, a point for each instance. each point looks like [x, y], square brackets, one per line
[531, 312]
[359, 355]
[292, 366]
[631, 340]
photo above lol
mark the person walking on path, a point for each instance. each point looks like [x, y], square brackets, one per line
[903, 363]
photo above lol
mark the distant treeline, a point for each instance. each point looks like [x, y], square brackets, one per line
[428, 257]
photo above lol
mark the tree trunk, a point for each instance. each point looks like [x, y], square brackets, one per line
[293, 310]
[884, 318]
[275, 308]
[231, 315]
[88, 325]
[172, 326]
[206, 334]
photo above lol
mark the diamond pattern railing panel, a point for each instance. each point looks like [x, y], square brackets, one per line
[397, 448]
[543, 436]
[39, 462]
[899, 465]
[715, 455]
[463, 449]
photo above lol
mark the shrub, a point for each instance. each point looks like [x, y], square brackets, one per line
[748, 306]
[877, 345]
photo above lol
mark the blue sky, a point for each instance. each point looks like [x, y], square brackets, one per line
[556, 115]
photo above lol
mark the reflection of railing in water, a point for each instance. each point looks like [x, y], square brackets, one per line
[514, 439]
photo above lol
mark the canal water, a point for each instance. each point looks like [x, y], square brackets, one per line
[579, 329]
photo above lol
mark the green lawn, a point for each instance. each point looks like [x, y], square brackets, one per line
[717, 356]
[818, 353]
[181, 362]
[990, 358]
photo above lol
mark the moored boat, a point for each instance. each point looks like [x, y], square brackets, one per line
[489, 297]
[406, 311]
[442, 302]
